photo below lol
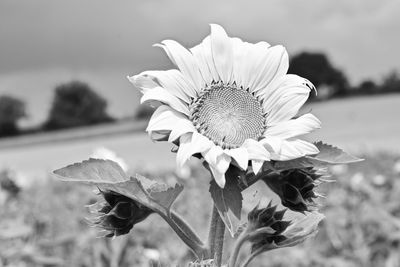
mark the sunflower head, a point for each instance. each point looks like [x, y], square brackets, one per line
[229, 101]
[118, 214]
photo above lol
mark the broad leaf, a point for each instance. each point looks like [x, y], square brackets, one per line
[228, 200]
[109, 176]
[328, 155]
[332, 155]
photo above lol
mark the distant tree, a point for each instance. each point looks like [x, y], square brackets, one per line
[317, 68]
[76, 104]
[11, 110]
[367, 87]
[391, 83]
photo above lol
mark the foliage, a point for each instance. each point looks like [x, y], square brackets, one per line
[11, 110]
[361, 229]
[76, 104]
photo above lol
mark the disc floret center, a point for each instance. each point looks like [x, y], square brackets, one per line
[227, 115]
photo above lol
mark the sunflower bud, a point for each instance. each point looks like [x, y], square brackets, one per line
[267, 224]
[118, 214]
[295, 187]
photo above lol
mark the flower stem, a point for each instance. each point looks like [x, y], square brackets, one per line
[212, 231]
[219, 241]
[238, 244]
[186, 236]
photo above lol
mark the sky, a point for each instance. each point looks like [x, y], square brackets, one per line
[46, 42]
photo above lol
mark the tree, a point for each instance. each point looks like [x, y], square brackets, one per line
[76, 104]
[317, 68]
[391, 83]
[11, 110]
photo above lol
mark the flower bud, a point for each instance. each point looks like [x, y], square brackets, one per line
[270, 221]
[295, 187]
[118, 214]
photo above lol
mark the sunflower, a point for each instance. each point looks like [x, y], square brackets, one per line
[230, 101]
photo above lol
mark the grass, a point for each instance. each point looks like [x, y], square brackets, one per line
[45, 225]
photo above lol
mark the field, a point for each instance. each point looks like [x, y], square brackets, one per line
[44, 224]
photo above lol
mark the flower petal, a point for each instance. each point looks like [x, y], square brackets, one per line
[256, 150]
[257, 165]
[292, 149]
[197, 143]
[180, 128]
[219, 163]
[240, 155]
[292, 128]
[240, 51]
[171, 80]
[183, 153]
[269, 63]
[185, 61]
[283, 98]
[164, 118]
[203, 55]
[159, 94]
[222, 52]
[143, 83]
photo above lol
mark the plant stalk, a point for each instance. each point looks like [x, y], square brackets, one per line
[212, 230]
[198, 249]
[219, 241]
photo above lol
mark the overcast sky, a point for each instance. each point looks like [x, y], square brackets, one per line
[362, 36]
[37, 36]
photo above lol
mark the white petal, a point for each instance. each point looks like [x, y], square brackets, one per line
[183, 153]
[222, 52]
[295, 149]
[219, 163]
[240, 51]
[292, 128]
[219, 177]
[143, 83]
[185, 61]
[197, 143]
[270, 63]
[240, 155]
[180, 128]
[257, 165]
[171, 80]
[159, 94]
[251, 62]
[164, 118]
[285, 109]
[203, 55]
[289, 92]
[256, 150]
[272, 144]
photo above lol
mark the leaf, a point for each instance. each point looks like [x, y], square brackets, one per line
[109, 176]
[328, 155]
[228, 200]
[93, 170]
[332, 155]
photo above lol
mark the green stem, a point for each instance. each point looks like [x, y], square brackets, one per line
[212, 231]
[198, 249]
[219, 241]
[238, 244]
[186, 228]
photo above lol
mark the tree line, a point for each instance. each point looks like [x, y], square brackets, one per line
[77, 104]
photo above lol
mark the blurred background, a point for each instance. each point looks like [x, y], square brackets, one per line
[64, 97]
